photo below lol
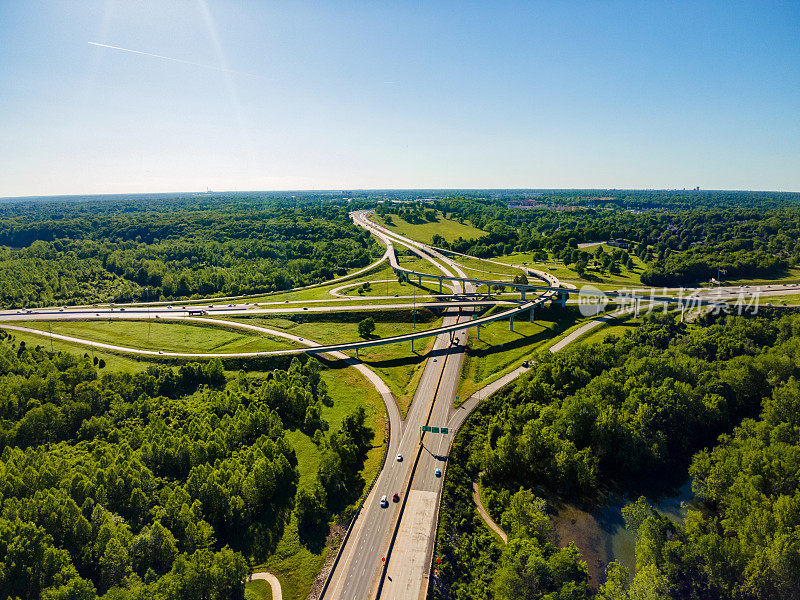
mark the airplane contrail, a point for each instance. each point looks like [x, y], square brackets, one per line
[178, 60]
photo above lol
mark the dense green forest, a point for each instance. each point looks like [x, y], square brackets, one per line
[113, 250]
[680, 243]
[157, 484]
[613, 416]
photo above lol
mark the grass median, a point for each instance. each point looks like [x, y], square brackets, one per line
[424, 232]
[168, 336]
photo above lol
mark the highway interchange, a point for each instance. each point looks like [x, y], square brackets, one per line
[388, 551]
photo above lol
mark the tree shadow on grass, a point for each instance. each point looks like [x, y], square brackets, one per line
[522, 340]
[313, 536]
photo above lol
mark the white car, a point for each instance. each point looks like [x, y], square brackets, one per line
[384, 502]
[399, 458]
[438, 472]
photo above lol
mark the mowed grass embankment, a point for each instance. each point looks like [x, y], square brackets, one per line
[169, 336]
[322, 293]
[480, 268]
[791, 275]
[618, 327]
[295, 565]
[113, 362]
[395, 288]
[500, 350]
[258, 589]
[424, 232]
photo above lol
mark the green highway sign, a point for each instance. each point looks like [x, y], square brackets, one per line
[444, 430]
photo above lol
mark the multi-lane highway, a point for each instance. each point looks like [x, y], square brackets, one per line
[388, 553]
[359, 571]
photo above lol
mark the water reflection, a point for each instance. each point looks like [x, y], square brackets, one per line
[601, 535]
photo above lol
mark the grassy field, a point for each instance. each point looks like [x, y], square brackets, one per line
[257, 590]
[501, 350]
[295, 565]
[396, 288]
[779, 300]
[381, 272]
[113, 362]
[165, 335]
[395, 363]
[593, 275]
[415, 263]
[616, 327]
[482, 267]
[789, 276]
[424, 232]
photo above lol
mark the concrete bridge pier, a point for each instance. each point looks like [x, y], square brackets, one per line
[440, 285]
[522, 292]
[531, 314]
[636, 310]
[511, 323]
[683, 311]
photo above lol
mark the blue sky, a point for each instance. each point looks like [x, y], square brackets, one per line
[379, 94]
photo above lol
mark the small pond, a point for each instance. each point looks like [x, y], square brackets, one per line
[601, 536]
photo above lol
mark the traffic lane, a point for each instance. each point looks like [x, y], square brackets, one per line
[178, 313]
[360, 577]
[437, 445]
[411, 552]
[362, 565]
[407, 568]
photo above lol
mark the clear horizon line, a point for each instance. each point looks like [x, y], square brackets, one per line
[408, 189]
